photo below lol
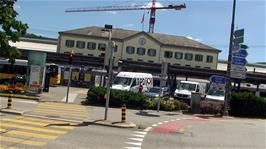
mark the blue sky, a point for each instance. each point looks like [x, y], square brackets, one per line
[207, 21]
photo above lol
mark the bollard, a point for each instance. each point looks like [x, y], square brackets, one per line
[9, 101]
[123, 113]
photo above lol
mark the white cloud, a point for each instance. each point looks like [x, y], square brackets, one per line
[112, 12]
[157, 4]
[196, 39]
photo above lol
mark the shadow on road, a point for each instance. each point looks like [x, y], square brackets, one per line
[145, 113]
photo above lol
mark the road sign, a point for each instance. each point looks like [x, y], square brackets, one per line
[218, 79]
[240, 53]
[238, 40]
[239, 33]
[238, 68]
[239, 61]
[238, 75]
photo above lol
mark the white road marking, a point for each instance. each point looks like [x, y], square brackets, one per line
[154, 125]
[165, 121]
[141, 132]
[134, 143]
[178, 119]
[23, 101]
[160, 123]
[172, 120]
[136, 139]
[148, 129]
[71, 97]
[132, 147]
[136, 135]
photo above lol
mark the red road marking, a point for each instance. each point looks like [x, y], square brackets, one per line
[170, 127]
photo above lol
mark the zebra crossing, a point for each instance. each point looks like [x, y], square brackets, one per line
[135, 140]
[30, 132]
[60, 110]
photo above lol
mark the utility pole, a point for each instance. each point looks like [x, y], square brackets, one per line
[70, 59]
[111, 45]
[228, 74]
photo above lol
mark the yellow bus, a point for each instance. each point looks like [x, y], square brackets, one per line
[55, 73]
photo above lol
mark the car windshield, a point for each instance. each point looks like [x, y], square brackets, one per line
[122, 81]
[215, 92]
[187, 86]
[154, 90]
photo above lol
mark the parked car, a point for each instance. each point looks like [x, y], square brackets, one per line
[155, 92]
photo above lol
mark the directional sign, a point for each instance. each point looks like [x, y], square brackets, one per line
[240, 53]
[239, 33]
[238, 68]
[238, 75]
[238, 39]
[239, 61]
[218, 79]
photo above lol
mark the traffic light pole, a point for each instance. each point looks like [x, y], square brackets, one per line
[228, 74]
[69, 81]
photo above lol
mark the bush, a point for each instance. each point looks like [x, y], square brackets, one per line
[211, 107]
[247, 104]
[96, 95]
[168, 105]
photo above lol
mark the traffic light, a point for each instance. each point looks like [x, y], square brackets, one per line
[70, 57]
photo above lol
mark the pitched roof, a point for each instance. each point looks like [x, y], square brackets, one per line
[122, 34]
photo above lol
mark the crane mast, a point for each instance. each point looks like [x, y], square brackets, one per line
[152, 9]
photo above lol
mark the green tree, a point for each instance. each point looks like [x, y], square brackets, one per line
[10, 30]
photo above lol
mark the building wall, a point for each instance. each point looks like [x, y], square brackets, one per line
[135, 42]
[63, 48]
[148, 43]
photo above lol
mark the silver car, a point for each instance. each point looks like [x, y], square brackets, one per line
[155, 92]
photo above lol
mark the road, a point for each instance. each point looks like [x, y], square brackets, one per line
[154, 129]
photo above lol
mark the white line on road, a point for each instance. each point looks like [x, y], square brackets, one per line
[140, 132]
[154, 125]
[23, 101]
[132, 147]
[134, 143]
[172, 120]
[71, 97]
[160, 123]
[178, 119]
[136, 135]
[136, 139]
[148, 129]
[165, 121]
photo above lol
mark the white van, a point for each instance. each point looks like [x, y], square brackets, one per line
[185, 88]
[130, 81]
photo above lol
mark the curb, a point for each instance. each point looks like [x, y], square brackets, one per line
[13, 111]
[111, 124]
[22, 97]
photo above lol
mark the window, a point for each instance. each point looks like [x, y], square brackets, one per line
[150, 61]
[70, 43]
[130, 50]
[168, 54]
[152, 52]
[141, 60]
[101, 46]
[80, 44]
[78, 54]
[187, 65]
[209, 59]
[141, 51]
[197, 66]
[198, 57]
[188, 56]
[178, 55]
[176, 64]
[91, 45]
[130, 59]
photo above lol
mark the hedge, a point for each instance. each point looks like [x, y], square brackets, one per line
[247, 104]
[95, 96]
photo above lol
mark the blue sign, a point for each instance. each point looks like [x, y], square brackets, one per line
[239, 61]
[241, 53]
[218, 79]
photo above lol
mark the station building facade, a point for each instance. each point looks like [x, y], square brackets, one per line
[139, 46]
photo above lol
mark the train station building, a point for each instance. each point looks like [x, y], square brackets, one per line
[139, 46]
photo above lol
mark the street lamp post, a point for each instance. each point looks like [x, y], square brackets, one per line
[228, 74]
[111, 45]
